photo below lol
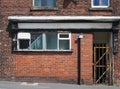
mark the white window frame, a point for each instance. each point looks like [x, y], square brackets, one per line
[69, 38]
[44, 42]
[34, 3]
[92, 3]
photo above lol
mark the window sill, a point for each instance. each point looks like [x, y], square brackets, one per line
[44, 9]
[100, 9]
[66, 51]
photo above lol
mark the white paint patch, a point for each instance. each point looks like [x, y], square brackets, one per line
[29, 84]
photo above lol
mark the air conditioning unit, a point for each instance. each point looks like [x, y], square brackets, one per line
[23, 35]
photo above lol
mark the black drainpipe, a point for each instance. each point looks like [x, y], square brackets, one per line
[79, 60]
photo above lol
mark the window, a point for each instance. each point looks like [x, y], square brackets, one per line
[64, 41]
[36, 41]
[100, 3]
[44, 41]
[23, 41]
[44, 3]
[51, 41]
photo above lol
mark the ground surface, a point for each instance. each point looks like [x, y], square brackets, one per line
[24, 85]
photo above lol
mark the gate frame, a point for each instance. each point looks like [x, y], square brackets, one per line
[109, 66]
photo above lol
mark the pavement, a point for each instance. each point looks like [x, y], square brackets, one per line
[24, 85]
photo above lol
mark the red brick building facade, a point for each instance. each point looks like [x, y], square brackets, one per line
[40, 42]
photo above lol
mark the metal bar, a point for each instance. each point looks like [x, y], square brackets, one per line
[102, 69]
[100, 65]
[110, 70]
[102, 47]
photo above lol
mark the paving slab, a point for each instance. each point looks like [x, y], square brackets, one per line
[24, 85]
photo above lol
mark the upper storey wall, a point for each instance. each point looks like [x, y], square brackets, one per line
[63, 7]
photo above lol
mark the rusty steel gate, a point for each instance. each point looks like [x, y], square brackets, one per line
[102, 64]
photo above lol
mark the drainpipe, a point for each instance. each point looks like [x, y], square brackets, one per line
[79, 59]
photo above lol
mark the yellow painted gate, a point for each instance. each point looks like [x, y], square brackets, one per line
[102, 64]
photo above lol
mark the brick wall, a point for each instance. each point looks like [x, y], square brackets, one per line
[45, 64]
[59, 65]
[117, 63]
[117, 56]
[116, 69]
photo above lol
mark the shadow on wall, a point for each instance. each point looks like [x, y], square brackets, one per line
[6, 67]
[1, 65]
[67, 2]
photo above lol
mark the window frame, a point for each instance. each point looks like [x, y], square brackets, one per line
[44, 43]
[43, 6]
[69, 38]
[92, 3]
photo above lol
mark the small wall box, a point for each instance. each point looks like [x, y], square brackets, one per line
[80, 36]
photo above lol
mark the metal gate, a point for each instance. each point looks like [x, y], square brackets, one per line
[102, 64]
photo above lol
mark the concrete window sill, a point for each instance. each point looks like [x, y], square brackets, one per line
[44, 9]
[101, 9]
[34, 51]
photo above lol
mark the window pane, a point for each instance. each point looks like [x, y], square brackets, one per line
[51, 40]
[37, 2]
[64, 35]
[64, 44]
[45, 3]
[105, 2]
[36, 41]
[51, 3]
[24, 44]
[96, 2]
[100, 2]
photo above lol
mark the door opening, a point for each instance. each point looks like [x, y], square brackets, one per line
[102, 60]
